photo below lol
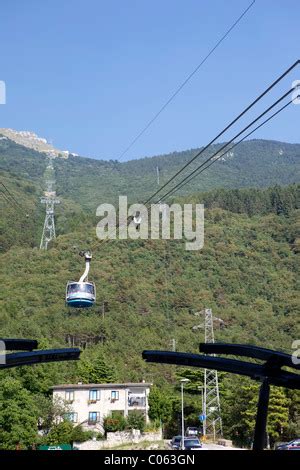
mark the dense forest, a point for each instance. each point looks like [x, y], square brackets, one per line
[149, 291]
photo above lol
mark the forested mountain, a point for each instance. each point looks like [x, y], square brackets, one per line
[89, 182]
[149, 291]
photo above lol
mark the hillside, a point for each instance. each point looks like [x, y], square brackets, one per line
[149, 291]
[246, 273]
[90, 182]
[22, 218]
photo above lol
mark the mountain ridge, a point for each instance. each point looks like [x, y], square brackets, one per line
[89, 182]
[31, 140]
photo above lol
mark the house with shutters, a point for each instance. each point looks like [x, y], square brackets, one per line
[89, 404]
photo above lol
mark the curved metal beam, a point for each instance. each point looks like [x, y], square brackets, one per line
[273, 358]
[39, 357]
[252, 370]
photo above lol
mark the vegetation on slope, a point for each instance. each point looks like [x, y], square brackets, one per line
[21, 221]
[89, 182]
[148, 293]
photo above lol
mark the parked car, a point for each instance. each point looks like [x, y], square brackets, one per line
[191, 443]
[175, 442]
[192, 431]
[293, 445]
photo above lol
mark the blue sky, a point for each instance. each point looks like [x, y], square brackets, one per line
[88, 75]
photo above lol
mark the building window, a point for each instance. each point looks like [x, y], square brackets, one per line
[94, 417]
[114, 395]
[94, 395]
[69, 396]
[73, 417]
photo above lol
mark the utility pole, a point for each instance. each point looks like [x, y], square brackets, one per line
[157, 174]
[212, 424]
[183, 381]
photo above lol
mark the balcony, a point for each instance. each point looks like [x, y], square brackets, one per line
[136, 401]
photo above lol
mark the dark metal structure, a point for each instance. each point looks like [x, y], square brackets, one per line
[30, 357]
[269, 373]
[19, 344]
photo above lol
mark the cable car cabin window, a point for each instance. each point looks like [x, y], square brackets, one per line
[72, 288]
[90, 289]
[75, 288]
[83, 288]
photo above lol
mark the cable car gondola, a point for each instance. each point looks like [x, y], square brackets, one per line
[137, 220]
[81, 294]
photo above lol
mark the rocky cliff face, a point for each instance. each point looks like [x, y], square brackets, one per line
[33, 141]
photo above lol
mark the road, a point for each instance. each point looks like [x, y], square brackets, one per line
[209, 446]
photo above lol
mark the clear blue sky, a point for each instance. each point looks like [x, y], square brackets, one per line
[89, 74]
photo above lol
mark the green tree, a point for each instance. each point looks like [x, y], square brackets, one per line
[136, 420]
[53, 411]
[118, 423]
[95, 370]
[278, 414]
[79, 435]
[160, 405]
[293, 428]
[64, 432]
[195, 377]
[19, 415]
[60, 433]
[278, 417]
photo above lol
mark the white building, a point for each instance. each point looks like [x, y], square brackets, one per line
[89, 404]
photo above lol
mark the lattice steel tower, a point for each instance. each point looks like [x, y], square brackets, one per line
[211, 400]
[50, 200]
[49, 225]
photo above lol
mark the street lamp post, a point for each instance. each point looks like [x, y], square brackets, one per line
[202, 402]
[202, 409]
[183, 381]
